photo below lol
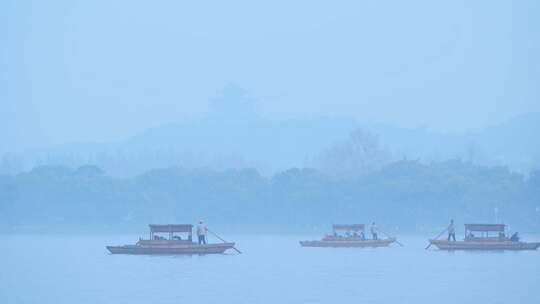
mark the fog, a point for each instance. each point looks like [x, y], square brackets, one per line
[305, 103]
[87, 72]
[401, 136]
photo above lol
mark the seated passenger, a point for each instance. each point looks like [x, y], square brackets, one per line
[514, 237]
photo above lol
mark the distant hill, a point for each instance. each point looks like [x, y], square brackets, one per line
[234, 136]
[511, 143]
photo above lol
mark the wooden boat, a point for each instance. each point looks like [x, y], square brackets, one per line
[173, 245]
[354, 238]
[484, 241]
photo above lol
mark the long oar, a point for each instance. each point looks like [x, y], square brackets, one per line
[438, 236]
[391, 237]
[222, 239]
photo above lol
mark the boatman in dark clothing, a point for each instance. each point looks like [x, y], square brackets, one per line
[374, 231]
[451, 231]
[201, 232]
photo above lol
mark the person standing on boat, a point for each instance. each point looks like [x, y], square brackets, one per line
[374, 231]
[201, 232]
[451, 231]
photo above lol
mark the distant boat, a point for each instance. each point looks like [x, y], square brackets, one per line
[172, 245]
[353, 238]
[499, 241]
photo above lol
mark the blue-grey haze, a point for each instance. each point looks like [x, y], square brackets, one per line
[267, 120]
[101, 71]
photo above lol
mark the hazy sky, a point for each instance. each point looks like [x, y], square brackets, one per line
[104, 70]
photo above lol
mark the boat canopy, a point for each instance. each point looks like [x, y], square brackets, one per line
[485, 227]
[350, 227]
[171, 228]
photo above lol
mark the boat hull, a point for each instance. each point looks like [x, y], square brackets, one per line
[171, 250]
[348, 243]
[478, 245]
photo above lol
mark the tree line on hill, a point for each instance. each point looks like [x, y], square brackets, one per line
[403, 196]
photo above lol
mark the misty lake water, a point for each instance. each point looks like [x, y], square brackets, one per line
[272, 269]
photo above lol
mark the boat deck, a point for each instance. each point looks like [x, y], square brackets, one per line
[171, 249]
[348, 243]
[484, 245]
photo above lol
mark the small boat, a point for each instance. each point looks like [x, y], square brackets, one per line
[484, 241]
[354, 238]
[174, 244]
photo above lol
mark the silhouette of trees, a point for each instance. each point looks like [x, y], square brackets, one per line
[358, 155]
[403, 193]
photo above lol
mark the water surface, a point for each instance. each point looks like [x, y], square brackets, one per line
[273, 269]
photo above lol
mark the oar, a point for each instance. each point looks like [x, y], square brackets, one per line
[438, 236]
[391, 237]
[222, 239]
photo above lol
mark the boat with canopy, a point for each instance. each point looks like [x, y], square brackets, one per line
[485, 237]
[353, 237]
[169, 240]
